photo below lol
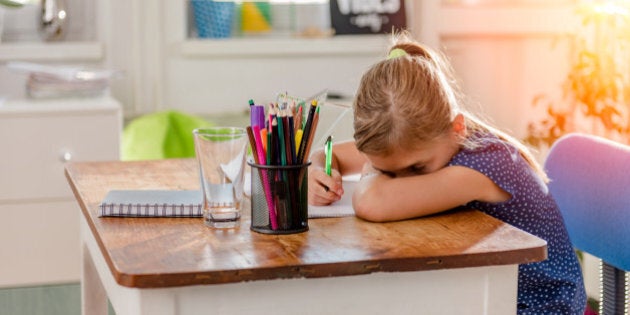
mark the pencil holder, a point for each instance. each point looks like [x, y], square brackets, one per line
[279, 198]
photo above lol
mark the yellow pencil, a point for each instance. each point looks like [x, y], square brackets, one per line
[298, 140]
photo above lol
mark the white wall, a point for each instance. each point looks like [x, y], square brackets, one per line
[220, 76]
[503, 54]
[502, 75]
[503, 62]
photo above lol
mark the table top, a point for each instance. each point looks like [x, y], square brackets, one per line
[165, 252]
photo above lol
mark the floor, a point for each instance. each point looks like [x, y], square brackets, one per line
[61, 299]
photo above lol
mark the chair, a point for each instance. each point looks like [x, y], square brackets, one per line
[590, 180]
[161, 135]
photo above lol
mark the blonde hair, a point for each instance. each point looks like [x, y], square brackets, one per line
[412, 99]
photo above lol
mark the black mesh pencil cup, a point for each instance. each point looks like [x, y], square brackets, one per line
[279, 198]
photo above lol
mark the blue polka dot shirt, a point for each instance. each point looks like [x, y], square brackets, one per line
[552, 286]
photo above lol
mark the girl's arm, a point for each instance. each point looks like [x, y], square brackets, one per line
[324, 189]
[381, 198]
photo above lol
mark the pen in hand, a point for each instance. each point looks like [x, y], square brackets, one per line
[328, 153]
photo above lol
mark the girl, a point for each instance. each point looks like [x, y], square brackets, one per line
[420, 154]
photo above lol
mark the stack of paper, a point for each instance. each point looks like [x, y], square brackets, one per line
[63, 81]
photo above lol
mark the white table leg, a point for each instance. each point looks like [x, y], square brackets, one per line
[93, 295]
[98, 285]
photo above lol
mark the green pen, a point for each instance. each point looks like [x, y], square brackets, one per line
[328, 152]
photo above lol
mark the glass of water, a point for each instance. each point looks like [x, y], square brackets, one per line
[221, 153]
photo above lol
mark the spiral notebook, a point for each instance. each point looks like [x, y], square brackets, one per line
[152, 203]
[189, 203]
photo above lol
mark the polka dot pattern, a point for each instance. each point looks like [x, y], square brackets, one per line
[555, 285]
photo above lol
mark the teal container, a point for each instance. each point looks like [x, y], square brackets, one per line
[213, 19]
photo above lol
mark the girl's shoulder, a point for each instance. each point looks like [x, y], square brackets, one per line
[486, 143]
[489, 154]
[500, 161]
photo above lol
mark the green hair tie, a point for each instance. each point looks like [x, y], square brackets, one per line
[395, 53]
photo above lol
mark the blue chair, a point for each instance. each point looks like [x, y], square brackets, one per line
[590, 180]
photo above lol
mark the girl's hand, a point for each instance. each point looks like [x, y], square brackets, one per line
[323, 189]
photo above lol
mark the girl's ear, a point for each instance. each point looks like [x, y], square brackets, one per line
[459, 125]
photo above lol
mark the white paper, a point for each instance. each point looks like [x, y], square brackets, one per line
[339, 208]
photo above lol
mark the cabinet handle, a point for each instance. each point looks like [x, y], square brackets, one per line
[66, 157]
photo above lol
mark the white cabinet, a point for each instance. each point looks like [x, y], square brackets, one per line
[39, 234]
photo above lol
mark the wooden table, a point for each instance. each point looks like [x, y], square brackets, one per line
[462, 262]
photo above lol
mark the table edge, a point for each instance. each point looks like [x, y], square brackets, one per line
[535, 253]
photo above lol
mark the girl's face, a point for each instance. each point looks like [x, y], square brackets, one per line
[425, 158]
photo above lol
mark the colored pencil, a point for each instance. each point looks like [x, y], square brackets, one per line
[282, 151]
[298, 140]
[263, 137]
[307, 131]
[311, 136]
[291, 139]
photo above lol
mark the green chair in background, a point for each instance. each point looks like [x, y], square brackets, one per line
[161, 135]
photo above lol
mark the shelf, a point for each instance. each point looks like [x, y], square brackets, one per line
[28, 51]
[56, 106]
[285, 47]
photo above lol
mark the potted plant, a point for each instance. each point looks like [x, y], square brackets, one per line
[596, 91]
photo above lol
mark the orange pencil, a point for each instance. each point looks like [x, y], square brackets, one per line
[252, 143]
[263, 136]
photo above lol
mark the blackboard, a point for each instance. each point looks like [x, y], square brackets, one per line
[367, 16]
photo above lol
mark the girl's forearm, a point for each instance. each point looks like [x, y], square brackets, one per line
[366, 199]
[382, 198]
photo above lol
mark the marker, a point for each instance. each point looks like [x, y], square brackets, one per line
[328, 152]
[257, 114]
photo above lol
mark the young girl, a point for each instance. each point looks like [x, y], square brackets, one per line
[420, 153]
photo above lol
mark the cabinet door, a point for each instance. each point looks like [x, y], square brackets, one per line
[35, 147]
[39, 243]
